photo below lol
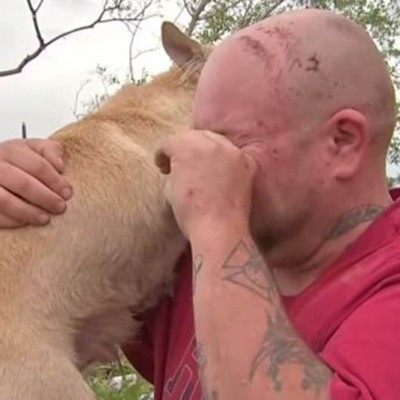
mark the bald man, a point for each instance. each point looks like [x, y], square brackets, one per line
[292, 290]
[296, 251]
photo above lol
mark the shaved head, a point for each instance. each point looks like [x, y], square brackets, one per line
[306, 93]
[299, 65]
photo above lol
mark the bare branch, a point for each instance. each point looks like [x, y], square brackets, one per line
[131, 43]
[272, 9]
[244, 20]
[22, 64]
[140, 16]
[77, 115]
[188, 8]
[196, 16]
[179, 14]
[134, 32]
[35, 22]
[39, 6]
[141, 52]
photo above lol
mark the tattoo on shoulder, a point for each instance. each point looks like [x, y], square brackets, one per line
[354, 218]
[202, 363]
[245, 267]
[281, 347]
[197, 265]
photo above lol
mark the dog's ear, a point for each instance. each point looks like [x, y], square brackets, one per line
[180, 47]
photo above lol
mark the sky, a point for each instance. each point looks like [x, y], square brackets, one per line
[43, 95]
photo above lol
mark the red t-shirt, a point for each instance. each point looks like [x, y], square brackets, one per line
[350, 317]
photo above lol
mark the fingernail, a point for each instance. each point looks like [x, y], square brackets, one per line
[60, 207]
[43, 219]
[66, 193]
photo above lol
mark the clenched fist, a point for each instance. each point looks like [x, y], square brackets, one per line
[210, 180]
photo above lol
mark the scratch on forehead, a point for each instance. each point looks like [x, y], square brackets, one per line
[281, 32]
[256, 48]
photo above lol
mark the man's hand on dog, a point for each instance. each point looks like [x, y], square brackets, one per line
[32, 186]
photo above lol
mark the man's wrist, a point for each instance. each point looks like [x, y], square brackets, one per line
[218, 230]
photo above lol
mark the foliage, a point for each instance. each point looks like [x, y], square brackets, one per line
[104, 382]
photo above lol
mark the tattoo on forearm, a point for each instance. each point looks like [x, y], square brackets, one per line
[281, 347]
[202, 363]
[252, 273]
[197, 265]
[354, 218]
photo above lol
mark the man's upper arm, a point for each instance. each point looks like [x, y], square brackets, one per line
[364, 353]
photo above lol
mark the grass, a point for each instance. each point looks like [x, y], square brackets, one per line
[119, 381]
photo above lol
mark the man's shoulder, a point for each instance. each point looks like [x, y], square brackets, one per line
[366, 268]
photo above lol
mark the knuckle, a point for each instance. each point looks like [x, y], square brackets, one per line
[54, 145]
[41, 169]
[22, 186]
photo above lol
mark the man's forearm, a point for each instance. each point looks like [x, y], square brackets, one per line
[247, 348]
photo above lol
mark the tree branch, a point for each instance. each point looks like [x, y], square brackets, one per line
[183, 8]
[133, 33]
[196, 16]
[39, 6]
[35, 21]
[140, 16]
[244, 20]
[272, 9]
[188, 8]
[77, 99]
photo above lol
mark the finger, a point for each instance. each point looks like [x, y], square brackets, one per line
[7, 222]
[30, 189]
[17, 209]
[51, 150]
[39, 168]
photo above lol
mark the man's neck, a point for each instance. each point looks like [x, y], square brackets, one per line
[299, 261]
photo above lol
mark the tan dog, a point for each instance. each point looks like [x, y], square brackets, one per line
[66, 289]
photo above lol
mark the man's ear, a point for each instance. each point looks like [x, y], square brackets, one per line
[349, 135]
[180, 47]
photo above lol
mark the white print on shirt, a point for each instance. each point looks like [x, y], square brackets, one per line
[185, 382]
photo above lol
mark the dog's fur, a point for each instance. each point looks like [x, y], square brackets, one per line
[67, 290]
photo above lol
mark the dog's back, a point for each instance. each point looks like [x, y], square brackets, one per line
[68, 289]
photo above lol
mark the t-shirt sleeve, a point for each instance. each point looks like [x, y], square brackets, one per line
[364, 353]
